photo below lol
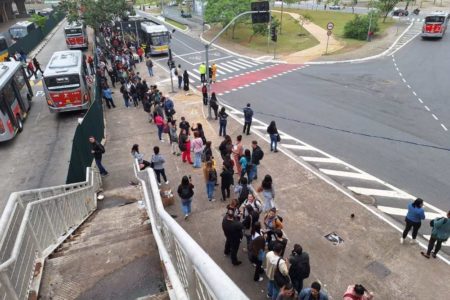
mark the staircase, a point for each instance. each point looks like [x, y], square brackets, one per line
[113, 255]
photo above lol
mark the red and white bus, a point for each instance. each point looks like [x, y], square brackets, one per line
[435, 24]
[65, 82]
[76, 36]
[15, 97]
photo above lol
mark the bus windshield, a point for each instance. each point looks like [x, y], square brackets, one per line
[73, 31]
[17, 33]
[434, 19]
[57, 83]
[160, 39]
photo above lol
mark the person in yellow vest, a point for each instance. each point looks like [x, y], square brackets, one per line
[214, 72]
[202, 71]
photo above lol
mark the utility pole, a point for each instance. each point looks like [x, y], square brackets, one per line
[281, 19]
[203, 16]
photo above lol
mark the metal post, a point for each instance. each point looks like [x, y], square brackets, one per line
[9, 287]
[50, 223]
[370, 26]
[281, 20]
[268, 36]
[162, 8]
[208, 87]
[203, 16]
[326, 49]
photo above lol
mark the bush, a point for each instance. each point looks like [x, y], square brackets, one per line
[359, 26]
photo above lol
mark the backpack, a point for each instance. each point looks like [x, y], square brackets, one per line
[102, 149]
[432, 221]
[185, 192]
[176, 72]
[212, 175]
[243, 194]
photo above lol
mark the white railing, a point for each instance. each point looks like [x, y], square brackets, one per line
[191, 271]
[34, 223]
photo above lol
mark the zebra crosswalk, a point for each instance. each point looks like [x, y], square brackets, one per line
[228, 69]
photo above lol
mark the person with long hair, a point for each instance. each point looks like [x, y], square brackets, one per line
[185, 81]
[273, 133]
[413, 220]
[210, 175]
[186, 192]
[268, 192]
[214, 104]
[256, 248]
[238, 151]
[140, 157]
[197, 147]
[223, 122]
[246, 163]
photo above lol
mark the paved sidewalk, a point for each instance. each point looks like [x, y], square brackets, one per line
[371, 253]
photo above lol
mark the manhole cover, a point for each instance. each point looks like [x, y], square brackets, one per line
[377, 268]
[334, 238]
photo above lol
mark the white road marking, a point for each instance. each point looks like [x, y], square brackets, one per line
[420, 100]
[427, 108]
[400, 73]
[248, 62]
[234, 90]
[347, 174]
[220, 72]
[223, 68]
[227, 92]
[414, 93]
[402, 212]
[228, 66]
[236, 65]
[260, 127]
[397, 69]
[434, 116]
[404, 80]
[252, 83]
[193, 75]
[330, 160]
[377, 192]
[220, 94]
[443, 126]
[240, 87]
[408, 86]
[296, 147]
[446, 244]
[243, 63]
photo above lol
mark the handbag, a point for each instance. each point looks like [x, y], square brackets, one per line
[280, 279]
[278, 138]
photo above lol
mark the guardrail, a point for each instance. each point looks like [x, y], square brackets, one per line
[34, 223]
[191, 271]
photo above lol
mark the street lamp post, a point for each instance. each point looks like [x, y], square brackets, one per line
[370, 26]
[281, 19]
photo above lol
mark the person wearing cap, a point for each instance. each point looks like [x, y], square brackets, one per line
[233, 231]
[248, 116]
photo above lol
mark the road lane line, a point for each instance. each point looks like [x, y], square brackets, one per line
[434, 116]
[348, 174]
[400, 73]
[378, 192]
[330, 160]
[231, 67]
[408, 86]
[243, 64]
[443, 126]
[296, 147]
[222, 67]
[420, 100]
[236, 65]
[404, 80]
[446, 244]
[247, 62]
[193, 75]
[427, 108]
[220, 72]
[414, 93]
[402, 212]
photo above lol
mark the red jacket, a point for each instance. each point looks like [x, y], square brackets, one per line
[140, 52]
[159, 121]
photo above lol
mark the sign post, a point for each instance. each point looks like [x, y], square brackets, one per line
[330, 27]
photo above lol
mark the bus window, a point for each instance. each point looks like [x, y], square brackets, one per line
[8, 94]
[22, 88]
[62, 82]
[18, 33]
[73, 31]
[159, 40]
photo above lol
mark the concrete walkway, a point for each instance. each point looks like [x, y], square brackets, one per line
[370, 254]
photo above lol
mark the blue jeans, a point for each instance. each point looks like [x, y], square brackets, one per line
[273, 142]
[98, 162]
[127, 101]
[210, 189]
[150, 71]
[272, 290]
[186, 206]
[252, 173]
[222, 128]
[197, 160]
[180, 81]
[160, 131]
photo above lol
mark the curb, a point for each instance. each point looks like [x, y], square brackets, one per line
[45, 41]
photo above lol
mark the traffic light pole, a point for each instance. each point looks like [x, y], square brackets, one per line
[208, 45]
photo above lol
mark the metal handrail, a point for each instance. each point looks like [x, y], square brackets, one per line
[44, 224]
[195, 271]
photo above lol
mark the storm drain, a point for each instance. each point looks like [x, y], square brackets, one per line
[334, 238]
[378, 269]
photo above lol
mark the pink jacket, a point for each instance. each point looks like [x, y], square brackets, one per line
[350, 295]
[159, 121]
[197, 145]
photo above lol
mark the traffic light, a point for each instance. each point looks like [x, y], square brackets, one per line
[273, 33]
[264, 15]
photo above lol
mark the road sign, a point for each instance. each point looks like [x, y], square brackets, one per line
[330, 25]
[329, 32]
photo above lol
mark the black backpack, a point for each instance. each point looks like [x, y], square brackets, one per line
[185, 192]
[212, 175]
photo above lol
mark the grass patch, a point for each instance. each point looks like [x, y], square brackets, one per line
[294, 38]
[176, 24]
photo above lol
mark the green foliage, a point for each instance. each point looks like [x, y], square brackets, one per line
[225, 10]
[359, 26]
[39, 20]
[262, 29]
[385, 6]
[94, 12]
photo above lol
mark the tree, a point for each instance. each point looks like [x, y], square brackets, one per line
[262, 29]
[358, 28]
[39, 20]
[225, 10]
[95, 12]
[385, 6]
[289, 2]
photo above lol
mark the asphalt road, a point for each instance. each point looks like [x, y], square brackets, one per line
[39, 156]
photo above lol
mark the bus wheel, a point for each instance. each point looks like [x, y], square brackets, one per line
[19, 123]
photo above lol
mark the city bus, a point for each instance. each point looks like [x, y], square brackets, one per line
[435, 24]
[15, 97]
[155, 37]
[65, 84]
[76, 36]
[21, 29]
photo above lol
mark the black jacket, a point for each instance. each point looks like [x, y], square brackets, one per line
[227, 177]
[299, 266]
[272, 130]
[232, 230]
[257, 155]
[98, 149]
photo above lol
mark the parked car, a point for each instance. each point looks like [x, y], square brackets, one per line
[399, 12]
[334, 7]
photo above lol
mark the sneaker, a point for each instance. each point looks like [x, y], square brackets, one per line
[402, 240]
[162, 141]
[186, 216]
[212, 200]
[260, 279]
[167, 182]
[413, 242]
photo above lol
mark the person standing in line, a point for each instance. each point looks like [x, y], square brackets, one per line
[158, 165]
[279, 239]
[226, 182]
[273, 133]
[185, 125]
[272, 222]
[225, 147]
[214, 104]
[357, 292]
[256, 250]
[97, 151]
[200, 131]
[248, 117]
[91, 64]
[238, 151]
[185, 81]
[107, 95]
[223, 122]
[413, 220]
[233, 234]
[140, 157]
[257, 156]
[126, 95]
[299, 268]
[268, 193]
[202, 71]
[159, 122]
[213, 72]
[197, 147]
[246, 163]
[205, 94]
[179, 76]
[30, 69]
[174, 138]
[313, 293]
[185, 146]
[210, 174]
[186, 192]
[274, 263]
[140, 53]
[149, 64]
[439, 234]
[37, 66]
